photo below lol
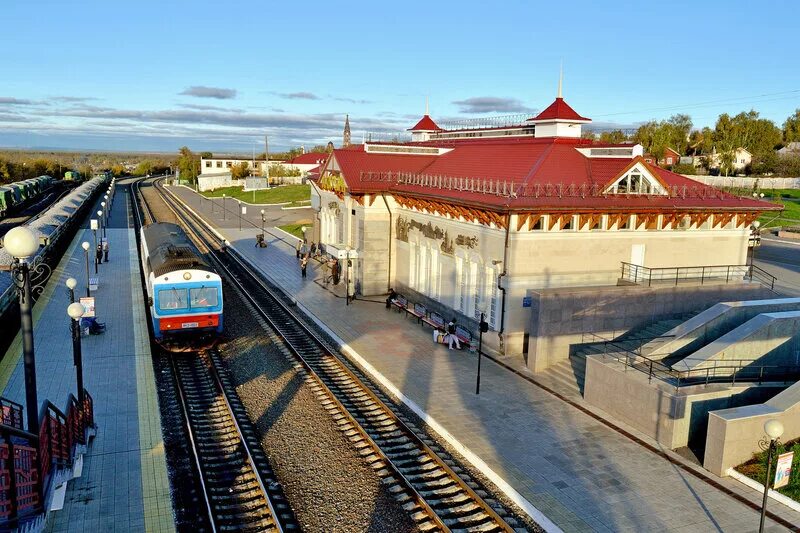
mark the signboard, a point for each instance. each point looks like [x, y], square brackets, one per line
[344, 254]
[88, 306]
[244, 210]
[783, 470]
[93, 283]
[526, 301]
[93, 224]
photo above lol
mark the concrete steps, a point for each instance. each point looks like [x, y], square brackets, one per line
[566, 377]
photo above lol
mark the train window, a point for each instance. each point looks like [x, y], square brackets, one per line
[172, 299]
[203, 297]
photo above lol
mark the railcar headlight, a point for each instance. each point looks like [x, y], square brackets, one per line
[187, 276]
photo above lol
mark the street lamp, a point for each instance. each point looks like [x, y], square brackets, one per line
[755, 239]
[223, 206]
[774, 429]
[482, 328]
[71, 284]
[105, 217]
[346, 274]
[263, 221]
[85, 245]
[303, 229]
[22, 243]
[75, 311]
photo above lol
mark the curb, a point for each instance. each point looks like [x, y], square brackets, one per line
[753, 484]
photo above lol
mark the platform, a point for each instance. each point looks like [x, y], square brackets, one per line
[124, 484]
[563, 460]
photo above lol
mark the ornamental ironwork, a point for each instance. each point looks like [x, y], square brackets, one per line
[38, 273]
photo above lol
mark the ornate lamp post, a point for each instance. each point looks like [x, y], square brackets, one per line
[22, 243]
[85, 245]
[71, 284]
[483, 327]
[774, 429]
[75, 312]
[103, 217]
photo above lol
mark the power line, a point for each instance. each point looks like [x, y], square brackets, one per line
[742, 99]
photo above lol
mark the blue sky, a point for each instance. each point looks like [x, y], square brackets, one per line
[154, 75]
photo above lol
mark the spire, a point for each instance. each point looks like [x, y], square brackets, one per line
[426, 105]
[560, 79]
[346, 135]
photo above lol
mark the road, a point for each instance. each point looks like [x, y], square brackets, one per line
[781, 258]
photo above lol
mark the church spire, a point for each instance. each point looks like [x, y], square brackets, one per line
[426, 105]
[346, 135]
[560, 79]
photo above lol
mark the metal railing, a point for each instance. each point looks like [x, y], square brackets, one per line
[643, 275]
[730, 372]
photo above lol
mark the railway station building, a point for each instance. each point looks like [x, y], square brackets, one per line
[483, 219]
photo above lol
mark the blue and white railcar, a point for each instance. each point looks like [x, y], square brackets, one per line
[184, 292]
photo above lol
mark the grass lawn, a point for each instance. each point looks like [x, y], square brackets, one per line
[295, 229]
[296, 194]
[790, 216]
[756, 467]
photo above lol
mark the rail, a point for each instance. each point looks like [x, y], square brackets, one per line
[642, 275]
[729, 371]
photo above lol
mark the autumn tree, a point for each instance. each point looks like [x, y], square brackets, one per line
[240, 171]
[791, 128]
[613, 137]
[188, 165]
[657, 136]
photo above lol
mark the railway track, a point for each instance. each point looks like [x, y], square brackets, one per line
[437, 494]
[240, 490]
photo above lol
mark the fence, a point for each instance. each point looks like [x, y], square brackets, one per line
[748, 183]
[642, 275]
[29, 462]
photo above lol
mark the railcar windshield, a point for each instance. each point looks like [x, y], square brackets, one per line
[203, 297]
[172, 299]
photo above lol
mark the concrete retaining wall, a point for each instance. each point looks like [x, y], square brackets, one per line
[674, 418]
[733, 434]
[561, 317]
[769, 338]
[712, 324]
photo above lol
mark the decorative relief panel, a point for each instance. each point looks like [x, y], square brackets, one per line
[447, 246]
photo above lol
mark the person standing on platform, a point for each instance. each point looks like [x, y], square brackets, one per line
[303, 266]
[105, 250]
[99, 253]
[297, 248]
[304, 248]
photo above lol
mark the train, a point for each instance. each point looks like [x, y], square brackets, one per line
[15, 195]
[184, 293]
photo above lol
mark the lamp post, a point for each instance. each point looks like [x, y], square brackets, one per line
[21, 243]
[346, 275]
[75, 312]
[263, 221]
[95, 223]
[303, 229]
[483, 327]
[103, 217]
[755, 239]
[85, 246]
[774, 429]
[71, 284]
[223, 206]
[241, 208]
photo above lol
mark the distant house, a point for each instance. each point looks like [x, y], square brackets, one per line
[791, 149]
[671, 157]
[741, 159]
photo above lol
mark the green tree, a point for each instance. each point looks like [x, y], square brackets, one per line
[144, 168]
[613, 137]
[791, 128]
[188, 165]
[240, 171]
[117, 170]
[206, 155]
[673, 133]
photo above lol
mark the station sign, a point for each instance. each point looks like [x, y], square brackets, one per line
[526, 301]
[94, 283]
[783, 471]
[244, 209]
[94, 224]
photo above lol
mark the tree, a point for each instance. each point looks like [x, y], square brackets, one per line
[757, 135]
[673, 133]
[188, 165]
[791, 128]
[144, 168]
[117, 170]
[240, 171]
[613, 137]
[206, 155]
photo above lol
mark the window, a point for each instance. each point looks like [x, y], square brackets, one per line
[636, 182]
[539, 225]
[219, 164]
[669, 160]
[208, 164]
[228, 164]
[203, 297]
[172, 299]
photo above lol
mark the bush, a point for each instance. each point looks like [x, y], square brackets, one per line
[684, 168]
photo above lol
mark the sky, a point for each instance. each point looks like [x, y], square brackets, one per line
[219, 76]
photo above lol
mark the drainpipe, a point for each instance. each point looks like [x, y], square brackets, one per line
[503, 274]
[389, 240]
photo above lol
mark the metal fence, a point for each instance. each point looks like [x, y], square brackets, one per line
[642, 275]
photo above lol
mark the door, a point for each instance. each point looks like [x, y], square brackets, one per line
[636, 273]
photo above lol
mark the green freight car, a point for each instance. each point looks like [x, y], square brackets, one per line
[6, 200]
[72, 175]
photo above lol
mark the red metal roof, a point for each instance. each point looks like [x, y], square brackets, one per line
[544, 173]
[560, 110]
[426, 123]
[311, 158]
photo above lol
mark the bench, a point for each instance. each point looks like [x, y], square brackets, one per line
[419, 311]
[435, 320]
[464, 335]
[400, 302]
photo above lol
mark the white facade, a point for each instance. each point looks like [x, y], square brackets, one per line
[223, 166]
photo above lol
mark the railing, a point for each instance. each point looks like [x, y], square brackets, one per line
[643, 275]
[28, 462]
[730, 372]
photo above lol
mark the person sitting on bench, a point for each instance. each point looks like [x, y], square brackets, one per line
[451, 335]
[92, 327]
[390, 298]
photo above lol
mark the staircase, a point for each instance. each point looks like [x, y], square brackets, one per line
[568, 377]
